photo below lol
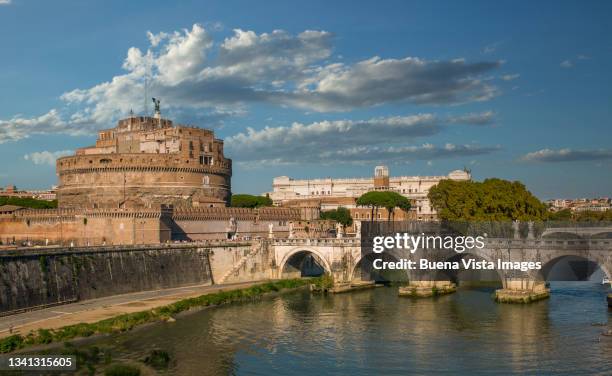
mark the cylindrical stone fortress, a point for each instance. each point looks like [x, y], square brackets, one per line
[146, 162]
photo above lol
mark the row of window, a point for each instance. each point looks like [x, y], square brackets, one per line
[320, 193]
[367, 215]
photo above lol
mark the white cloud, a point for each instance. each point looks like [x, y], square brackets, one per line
[373, 139]
[20, 127]
[374, 154]
[376, 81]
[566, 64]
[489, 49]
[188, 71]
[5, 2]
[46, 157]
[510, 77]
[568, 155]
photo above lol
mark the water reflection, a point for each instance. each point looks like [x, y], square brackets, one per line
[375, 331]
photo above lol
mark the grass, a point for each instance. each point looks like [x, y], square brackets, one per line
[324, 282]
[123, 323]
[122, 370]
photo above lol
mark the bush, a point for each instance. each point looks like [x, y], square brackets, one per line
[122, 370]
[158, 359]
[11, 343]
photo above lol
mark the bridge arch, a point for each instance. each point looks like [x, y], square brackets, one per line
[550, 262]
[602, 235]
[363, 269]
[293, 262]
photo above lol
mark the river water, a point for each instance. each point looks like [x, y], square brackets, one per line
[376, 332]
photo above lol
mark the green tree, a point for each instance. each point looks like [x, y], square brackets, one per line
[561, 215]
[341, 215]
[250, 201]
[384, 199]
[591, 215]
[28, 202]
[491, 200]
[392, 200]
[372, 200]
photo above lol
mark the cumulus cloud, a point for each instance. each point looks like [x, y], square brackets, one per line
[566, 64]
[46, 157]
[568, 155]
[20, 127]
[374, 139]
[376, 81]
[189, 71]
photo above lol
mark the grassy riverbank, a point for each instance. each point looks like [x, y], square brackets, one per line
[127, 322]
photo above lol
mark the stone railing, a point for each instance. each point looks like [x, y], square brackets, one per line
[223, 213]
[318, 242]
[561, 244]
[32, 251]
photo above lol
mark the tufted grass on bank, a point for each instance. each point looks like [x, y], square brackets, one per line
[125, 322]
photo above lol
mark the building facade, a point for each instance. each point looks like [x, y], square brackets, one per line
[332, 193]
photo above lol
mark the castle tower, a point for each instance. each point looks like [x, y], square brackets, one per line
[146, 162]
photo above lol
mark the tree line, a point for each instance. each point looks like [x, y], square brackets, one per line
[28, 202]
[498, 200]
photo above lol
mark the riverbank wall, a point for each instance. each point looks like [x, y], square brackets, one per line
[32, 278]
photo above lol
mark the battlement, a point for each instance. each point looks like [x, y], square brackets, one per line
[222, 213]
[71, 214]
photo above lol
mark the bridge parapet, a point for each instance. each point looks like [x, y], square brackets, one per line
[317, 242]
[558, 244]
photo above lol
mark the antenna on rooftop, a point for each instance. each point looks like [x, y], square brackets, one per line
[146, 86]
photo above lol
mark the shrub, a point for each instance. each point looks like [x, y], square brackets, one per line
[158, 359]
[122, 370]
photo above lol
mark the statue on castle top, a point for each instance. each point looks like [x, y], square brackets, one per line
[156, 103]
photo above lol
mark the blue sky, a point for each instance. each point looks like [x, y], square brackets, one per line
[515, 90]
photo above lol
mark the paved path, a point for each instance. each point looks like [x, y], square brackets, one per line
[99, 309]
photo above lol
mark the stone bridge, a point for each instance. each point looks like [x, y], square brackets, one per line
[344, 260]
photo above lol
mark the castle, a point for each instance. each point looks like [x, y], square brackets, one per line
[146, 162]
[145, 181]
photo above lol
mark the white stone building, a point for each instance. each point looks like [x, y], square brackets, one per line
[287, 189]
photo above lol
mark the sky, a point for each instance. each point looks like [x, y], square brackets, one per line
[517, 90]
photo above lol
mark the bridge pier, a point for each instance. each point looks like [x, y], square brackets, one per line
[522, 291]
[427, 289]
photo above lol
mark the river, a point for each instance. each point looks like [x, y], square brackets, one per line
[376, 332]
